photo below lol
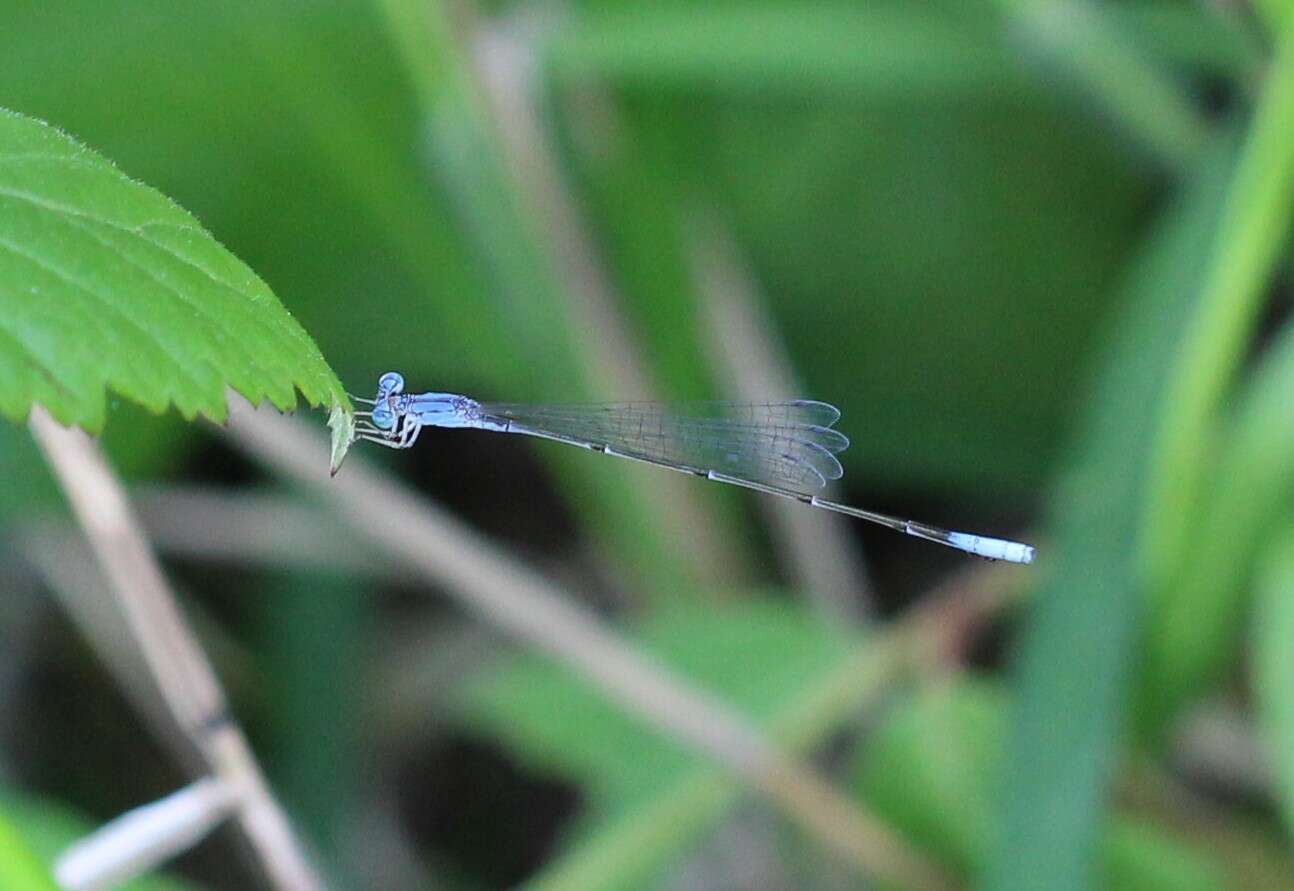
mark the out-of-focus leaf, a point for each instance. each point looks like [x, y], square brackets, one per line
[20, 868]
[930, 769]
[48, 828]
[1253, 234]
[1141, 857]
[1273, 664]
[1076, 652]
[931, 766]
[28, 482]
[930, 214]
[1277, 14]
[1195, 632]
[757, 656]
[754, 49]
[771, 661]
[106, 284]
[310, 625]
[1190, 37]
[1087, 49]
[903, 50]
[869, 216]
[629, 849]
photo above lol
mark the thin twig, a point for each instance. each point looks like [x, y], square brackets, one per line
[139, 840]
[67, 566]
[503, 591]
[178, 666]
[265, 528]
[270, 530]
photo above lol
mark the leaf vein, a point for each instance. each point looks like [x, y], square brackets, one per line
[108, 305]
[294, 331]
[196, 306]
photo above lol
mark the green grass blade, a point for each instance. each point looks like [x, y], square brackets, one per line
[899, 51]
[1252, 236]
[310, 628]
[1075, 654]
[1086, 48]
[107, 284]
[1193, 634]
[1191, 38]
[1273, 665]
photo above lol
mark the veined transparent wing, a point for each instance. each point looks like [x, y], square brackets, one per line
[777, 443]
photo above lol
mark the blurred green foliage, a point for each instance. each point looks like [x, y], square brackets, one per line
[1273, 624]
[932, 769]
[20, 868]
[724, 650]
[1034, 250]
[1076, 656]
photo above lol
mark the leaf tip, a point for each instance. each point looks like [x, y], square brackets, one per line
[342, 423]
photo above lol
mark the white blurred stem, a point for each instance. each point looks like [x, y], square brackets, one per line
[142, 839]
[175, 662]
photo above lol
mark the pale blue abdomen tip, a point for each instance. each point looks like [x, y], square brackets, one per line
[992, 548]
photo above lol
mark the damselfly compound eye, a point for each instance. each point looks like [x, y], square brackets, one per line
[391, 382]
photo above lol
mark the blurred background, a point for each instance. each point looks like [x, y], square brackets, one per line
[1034, 251]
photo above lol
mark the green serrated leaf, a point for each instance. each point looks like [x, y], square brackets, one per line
[106, 283]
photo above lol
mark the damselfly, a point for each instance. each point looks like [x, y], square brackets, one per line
[786, 449]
